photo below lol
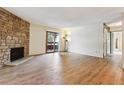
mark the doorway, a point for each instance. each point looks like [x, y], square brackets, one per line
[117, 42]
[52, 42]
[112, 41]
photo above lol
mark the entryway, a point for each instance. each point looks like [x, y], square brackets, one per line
[112, 46]
[117, 42]
[52, 42]
[112, 39]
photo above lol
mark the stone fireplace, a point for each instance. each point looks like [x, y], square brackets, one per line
[14, 33]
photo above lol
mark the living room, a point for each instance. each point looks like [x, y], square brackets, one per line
[61, 46]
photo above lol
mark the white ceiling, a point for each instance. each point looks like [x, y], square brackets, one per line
[65, 17]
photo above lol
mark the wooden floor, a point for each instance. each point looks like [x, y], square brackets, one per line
[65, 68]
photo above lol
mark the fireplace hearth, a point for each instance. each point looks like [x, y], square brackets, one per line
[16, 53]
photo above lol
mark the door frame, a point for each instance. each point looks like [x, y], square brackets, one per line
[47, 40]
[105, 39]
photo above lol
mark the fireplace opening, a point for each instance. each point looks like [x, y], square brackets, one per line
[16, 53]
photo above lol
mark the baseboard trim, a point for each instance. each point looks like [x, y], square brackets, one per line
[86, 55]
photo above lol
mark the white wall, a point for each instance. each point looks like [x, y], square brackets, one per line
[123, 40]
[38, 39]
[87, 40]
